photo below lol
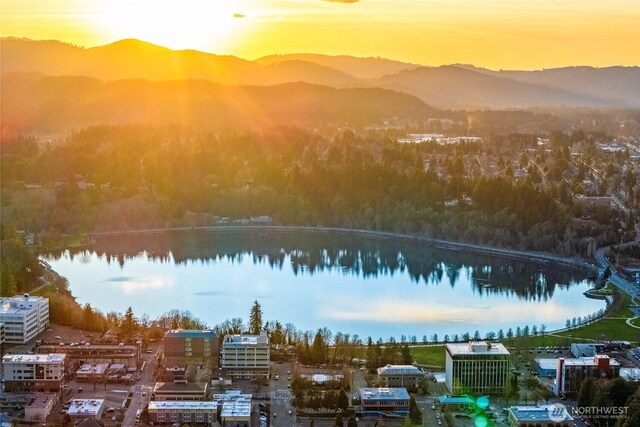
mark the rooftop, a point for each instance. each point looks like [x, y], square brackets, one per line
[190, 333]
[236, 408]
[34, 358]
[399, 370]
[41, 400]
[477, 348]
[20, 303]
[244, 340]
[172, 387]
[589, 361]
[89, 407]
[455, 400]
[182, 404]
[542, 413]
[387, 393]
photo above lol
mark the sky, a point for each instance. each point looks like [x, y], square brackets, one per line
[497, 34]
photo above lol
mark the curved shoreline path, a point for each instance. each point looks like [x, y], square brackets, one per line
[616, 278]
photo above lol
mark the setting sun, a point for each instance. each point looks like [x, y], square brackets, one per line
[193, 24]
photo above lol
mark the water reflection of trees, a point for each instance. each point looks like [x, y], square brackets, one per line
[351, 254]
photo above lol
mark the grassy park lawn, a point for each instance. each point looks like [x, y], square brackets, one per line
[429, 355]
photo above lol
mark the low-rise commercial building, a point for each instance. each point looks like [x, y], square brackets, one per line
[571, 372]
[586, 350]
[236, 407]
[246, 356]
[165, 412]
[79, 354]
[80, 409]
[547, 367]
[39, 407]
[538, 416]
[393, 400]
[476, 367]
[24, 317]
[33, 372]
[92, 373]
[399, 376]
[183, 346]
[180, 390]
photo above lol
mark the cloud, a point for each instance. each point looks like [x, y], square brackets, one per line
[341, 1]
[239, 15]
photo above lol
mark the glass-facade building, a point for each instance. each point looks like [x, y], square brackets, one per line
[477, 368]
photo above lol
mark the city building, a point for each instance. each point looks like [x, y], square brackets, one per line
[246, 356]
[2, 339]
[180, 390]
[24, 317]
[586, 350]
[182, 347]
[80, 409]
[39, 407]
[571, 372]
[79, 354]
[92, 373]
[547, 367]
[399, 376]
[387, 400]
[537, 416]
[476, 367]
[236, 407]
[33, 372]
[164, 412]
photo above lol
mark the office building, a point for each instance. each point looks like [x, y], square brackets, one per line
[39, 407]
[24, 317]
[374, 401]
[33, 372]
[246, 356]
[399, 376]
[476, 367]
[183, 347]
[571, 372]
[165, 412]
[537, 416]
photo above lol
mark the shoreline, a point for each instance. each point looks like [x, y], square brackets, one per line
[450, 245]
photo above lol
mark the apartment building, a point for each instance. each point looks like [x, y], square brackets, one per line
[33, 372]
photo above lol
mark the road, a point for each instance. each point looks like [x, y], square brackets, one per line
[615, 278]
[143, 388]
[281, 397]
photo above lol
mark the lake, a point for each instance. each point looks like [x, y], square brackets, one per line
[348, 283]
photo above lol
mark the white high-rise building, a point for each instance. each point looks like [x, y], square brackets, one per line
[246, 356]
[477, 367]
[24, 317]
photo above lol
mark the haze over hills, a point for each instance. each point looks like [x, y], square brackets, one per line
[451, 86]
[34, 102]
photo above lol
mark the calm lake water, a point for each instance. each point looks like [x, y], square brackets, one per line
[355, 285]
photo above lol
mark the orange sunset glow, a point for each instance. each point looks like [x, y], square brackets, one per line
[495, 34]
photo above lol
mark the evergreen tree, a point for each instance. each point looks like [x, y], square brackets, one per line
[339, 422]
[255, 319]
[343, 400]
[586, 393]
[406, 354]
[415, 415]
[352, 421]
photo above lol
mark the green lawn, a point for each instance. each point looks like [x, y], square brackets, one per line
[637, 323]
[606, 329]
[429, 355]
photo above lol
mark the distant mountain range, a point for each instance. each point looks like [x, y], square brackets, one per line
[34, 102]
[451, 86]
